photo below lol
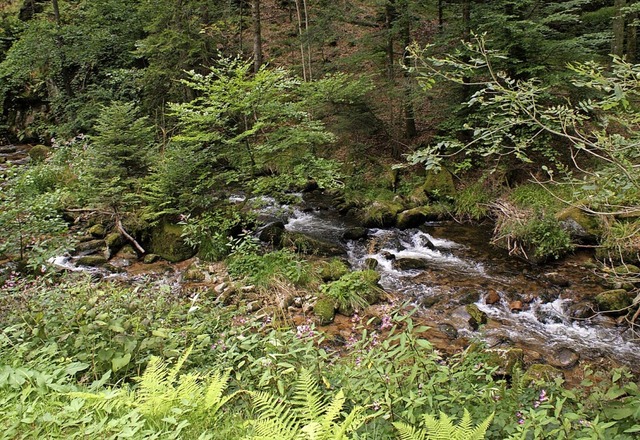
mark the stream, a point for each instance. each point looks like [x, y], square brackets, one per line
[443, 267]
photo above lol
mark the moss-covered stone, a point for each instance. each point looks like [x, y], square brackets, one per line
[97, 231]
[380, 214]
[412, 218]
[91, 260]
[356, 233]
[626, 269]
[167, 242]
[333, 269]
[325, 310]
[311, 246]
[614, 300]
[579, 223]
[194, 274]
[150, 258]
[439, 184]
[478, 317]
[506, 360]
[114, 241]
[38, 153]
[541, 373]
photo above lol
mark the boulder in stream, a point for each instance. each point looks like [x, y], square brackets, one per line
[90, 247]
[309, 245]
[272, 233]
[91, 260]
[167, 241]
[356, 233]
[412, 218]
[616, 300]
[408, 263]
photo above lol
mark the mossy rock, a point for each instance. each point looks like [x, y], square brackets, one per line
[272, 233]
[89, 247]
[506, 360]
[167, 242]
[478, 317]
[194, 274]
[150, 258]
[38, 153]
[311, 246]
[579, 224]
[380, 214]
[614, 300]
[91, 260]
[325, 310]
[114, 241]
[412, 218]
[626, 269]
[356, 233]
[97, 231]
[333, 269]
[541, 373]
[439, 184]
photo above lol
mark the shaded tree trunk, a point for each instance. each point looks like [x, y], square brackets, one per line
[410, 130]
[632, 39]
[257, 36]
[617, 44]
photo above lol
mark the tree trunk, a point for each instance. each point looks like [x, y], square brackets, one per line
[302, 54]
[56, 11]
[632, 39]
[390, 18]
[466, 20]
[257, 36]
[410, 130]
[440, 16]
[617, 44]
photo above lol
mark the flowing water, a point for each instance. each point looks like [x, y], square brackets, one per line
[442, 267]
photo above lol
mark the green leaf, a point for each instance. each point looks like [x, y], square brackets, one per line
[119, 362]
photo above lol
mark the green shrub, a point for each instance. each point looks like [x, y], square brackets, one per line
[472, 202]
[263, 269]
[354, 291]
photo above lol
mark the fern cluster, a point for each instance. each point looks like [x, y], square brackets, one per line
[310, 416]
[444, 429]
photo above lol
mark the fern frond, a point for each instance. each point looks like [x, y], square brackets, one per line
[274, 414]
[408, 432]
[333, 410]
[351, 423]
[479, 432]
[173, 374]
[307, 397]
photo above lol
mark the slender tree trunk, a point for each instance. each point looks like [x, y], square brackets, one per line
[65, 70]
[302, 54]
[466, 20]
[306, 30]
[440, 16]
[257, 36]
[410, 130]
[390, 18]
[56, 11]
[617, 44]
[632, 39]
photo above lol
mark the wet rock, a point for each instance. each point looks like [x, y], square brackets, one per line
[325, 310]
[425, 242]
[412, 218]
[557, 279]
[272, 233]
[371, 263]
[127, 253]
[8, 149]
[380, 214]
[309, 245]
[581, 310]
[563, 358]
[541, 373]
[449, 330]
[388, 255]
[167, 241]
[478, 317]
[310, 185]
[357, 233]
[515, 306]
[150, 258]
[429, 301]
[492, 297]
[97, 231]
[91, 260]
[614, 300]
[90, 247]
[408, 263]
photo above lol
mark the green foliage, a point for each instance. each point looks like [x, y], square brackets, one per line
[472, 202]
[354, 291]
[443, 428]
[210, 232]
[118, 156]
[310, 416]
[264, 269]
[31, 225]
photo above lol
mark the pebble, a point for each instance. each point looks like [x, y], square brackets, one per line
[220, 287]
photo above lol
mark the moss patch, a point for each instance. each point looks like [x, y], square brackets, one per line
[325, 310]
[167, 242]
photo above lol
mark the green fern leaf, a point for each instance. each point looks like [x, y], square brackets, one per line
[408, 432]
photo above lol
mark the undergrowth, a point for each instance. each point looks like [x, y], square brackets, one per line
[87, 359]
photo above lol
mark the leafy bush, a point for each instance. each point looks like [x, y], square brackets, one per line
[210, 232]
[354, 291]
[263, 269]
